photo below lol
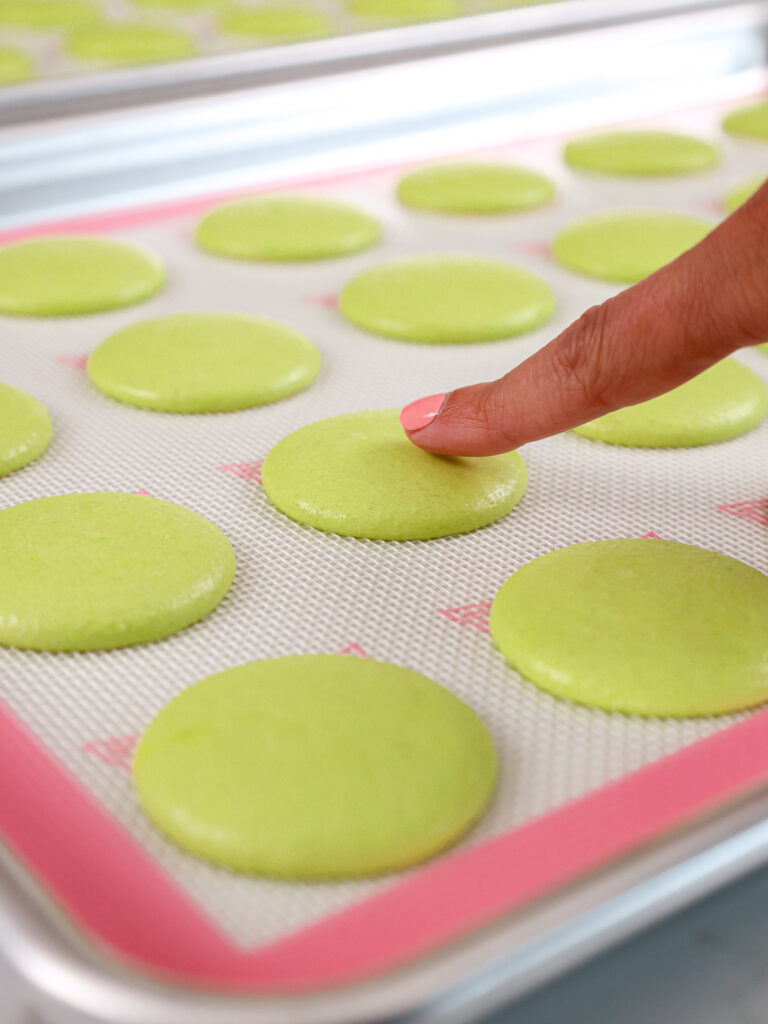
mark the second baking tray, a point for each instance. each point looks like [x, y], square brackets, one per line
[67, 88]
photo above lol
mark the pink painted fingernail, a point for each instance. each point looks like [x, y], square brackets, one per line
[420, 414]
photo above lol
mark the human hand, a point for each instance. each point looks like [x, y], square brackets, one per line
[647, 340]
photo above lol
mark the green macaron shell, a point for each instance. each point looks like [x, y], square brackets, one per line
[86, 572]
[643, 627]
[204, 362]
[67, 276]
[641, 153]
[447, 299]
[315, 767]
[25, 429]
[358, 475]
[723, 402]
[625, 247]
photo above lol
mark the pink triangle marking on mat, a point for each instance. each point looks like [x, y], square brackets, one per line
[540, 249]
[326, 301]
[651, 536]
[756, 511]
[142, 490]
[355, 649]
[475, 615]
[116, 751]
[76, 362]
[245, 470]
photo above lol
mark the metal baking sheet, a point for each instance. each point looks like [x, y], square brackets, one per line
[207, 32]
[74, 718]
[68, 88]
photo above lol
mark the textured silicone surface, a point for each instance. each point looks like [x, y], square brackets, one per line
[299, 590]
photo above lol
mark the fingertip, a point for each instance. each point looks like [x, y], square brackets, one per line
[455, 423]
[422, 412]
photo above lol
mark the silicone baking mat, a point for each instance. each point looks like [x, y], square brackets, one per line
[209, 35]
[68, 723]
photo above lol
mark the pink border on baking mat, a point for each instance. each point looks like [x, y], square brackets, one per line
[120, 896]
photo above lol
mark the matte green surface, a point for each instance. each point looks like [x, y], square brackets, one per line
[287, 228]
[315, 767]
[404, 10]
[736, 197]
[447, 299]
[749, 122]
[723, 402]
[273, 22]
[626, 247]
[641, 153]
[15, 66]
[87, 572]
[475, 188]
[48, 14]
[645, 627]
[25, 428]
[359, 475]
[127, 43]
[505, 5]
[180, 5]
[204, 362]
[67, 276]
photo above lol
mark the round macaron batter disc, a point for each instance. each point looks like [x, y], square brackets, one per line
[641, 153]
[626, 247]
[358, 475]
[643, 627]
[445, 299]
[87, 572]
[25, 429]
[475, 188]
[724, 401]
[67, 276]
[286, 229]
[204, 362]
[315, 767]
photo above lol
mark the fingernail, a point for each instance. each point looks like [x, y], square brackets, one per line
[420, 414]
